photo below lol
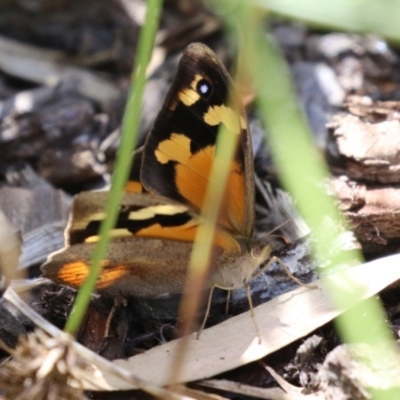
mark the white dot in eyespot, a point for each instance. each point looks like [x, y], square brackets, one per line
[204, 88]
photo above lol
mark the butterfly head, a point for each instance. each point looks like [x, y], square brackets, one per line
[260, 252]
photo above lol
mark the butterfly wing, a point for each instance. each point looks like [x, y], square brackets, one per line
[140, 215]
[150, 245]
[180, 148]
[142, 267]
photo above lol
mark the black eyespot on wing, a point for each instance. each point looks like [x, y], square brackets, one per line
[204, 88]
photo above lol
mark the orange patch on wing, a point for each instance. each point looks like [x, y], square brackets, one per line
[193, 187]
[232, 214]
[187, 233]
[192, 175]
[133, 187]
[226, 241]
[192, 170]
[74, 274]
[110, 275]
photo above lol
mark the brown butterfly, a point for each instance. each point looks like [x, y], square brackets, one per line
[152, 241]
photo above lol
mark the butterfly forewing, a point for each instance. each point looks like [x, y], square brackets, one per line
[180, 148]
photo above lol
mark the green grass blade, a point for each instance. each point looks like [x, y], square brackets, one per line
[363, 16]
[124, 159]
[302, 172]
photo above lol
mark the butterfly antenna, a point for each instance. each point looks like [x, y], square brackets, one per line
[279, 226]
[270, 233]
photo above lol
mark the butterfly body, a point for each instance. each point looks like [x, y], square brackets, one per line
[152, 242]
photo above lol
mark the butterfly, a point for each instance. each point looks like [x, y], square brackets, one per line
[153, 238]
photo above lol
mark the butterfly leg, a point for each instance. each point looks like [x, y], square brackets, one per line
[228, 300]
[229, 289]
[253, 317]
[207, 313]
[250, 301]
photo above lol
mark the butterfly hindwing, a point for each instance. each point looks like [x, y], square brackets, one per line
[127, 269]
[140, 215]
[149, 250]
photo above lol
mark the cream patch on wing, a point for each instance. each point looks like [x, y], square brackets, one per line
[117, 233]
[226, 115]
[189, 96]
[176, 148]
[150, 212]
